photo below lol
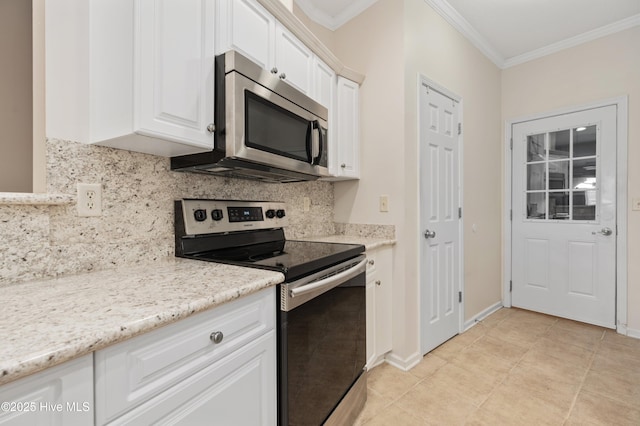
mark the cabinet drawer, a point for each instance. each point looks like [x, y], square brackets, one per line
[237, 390]
[130, 373]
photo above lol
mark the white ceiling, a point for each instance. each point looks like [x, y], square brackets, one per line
[509, 32]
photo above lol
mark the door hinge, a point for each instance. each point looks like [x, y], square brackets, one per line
[459, 128]
[459, 297]
[459, 212]
[511, 143]
[510, 286]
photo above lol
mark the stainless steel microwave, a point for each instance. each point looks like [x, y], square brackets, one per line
[265, 129]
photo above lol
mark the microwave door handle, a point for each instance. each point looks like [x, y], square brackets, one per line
[316, 160]
[309, 142]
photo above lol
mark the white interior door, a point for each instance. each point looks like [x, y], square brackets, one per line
[564, 216]
[439, 202]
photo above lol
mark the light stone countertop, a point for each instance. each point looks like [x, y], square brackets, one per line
[370, 243]
[45, 323]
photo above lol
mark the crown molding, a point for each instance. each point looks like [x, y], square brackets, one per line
[444, 9]
[624, 24]
[354, 9]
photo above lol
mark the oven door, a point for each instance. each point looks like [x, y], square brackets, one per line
[321, 348]
[264, 127]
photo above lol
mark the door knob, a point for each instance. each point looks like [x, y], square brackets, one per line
[604, 231]
[429, 234]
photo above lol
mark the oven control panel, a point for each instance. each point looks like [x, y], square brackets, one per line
[218, 216]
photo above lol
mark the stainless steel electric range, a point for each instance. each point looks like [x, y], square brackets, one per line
[321, 304]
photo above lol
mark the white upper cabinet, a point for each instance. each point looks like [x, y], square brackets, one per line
[345, 138]
[136, 75]
[324, 85]
[174, 70]
[247, 27]
[294, 61]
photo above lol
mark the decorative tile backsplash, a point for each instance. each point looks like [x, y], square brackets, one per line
[137, 212]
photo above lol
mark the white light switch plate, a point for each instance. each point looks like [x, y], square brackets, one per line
[635, 204]
[384, 203]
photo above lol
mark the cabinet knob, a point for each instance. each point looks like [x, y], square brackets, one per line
[372, 262]
[282, 76]
[211, 128]
[274, 70]
[343, 165]
[378, 282]
[216, 336]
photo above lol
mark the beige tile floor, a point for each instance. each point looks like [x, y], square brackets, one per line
[514, 368]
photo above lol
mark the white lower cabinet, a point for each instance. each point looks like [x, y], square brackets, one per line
[180, 375]
[237, 390]
[379, 294]
[61, 395]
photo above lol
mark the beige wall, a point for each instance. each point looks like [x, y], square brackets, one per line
[436, 50]
[372, 43]
[15, 96]
[403, 39]
[601, 69]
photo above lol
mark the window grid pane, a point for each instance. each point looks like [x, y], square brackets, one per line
[561, 170]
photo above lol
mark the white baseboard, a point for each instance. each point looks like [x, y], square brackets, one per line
[482, 315]
[404, 364]
[633, 333]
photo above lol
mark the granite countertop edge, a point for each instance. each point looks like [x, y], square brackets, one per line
[79, 334]
[370, 243]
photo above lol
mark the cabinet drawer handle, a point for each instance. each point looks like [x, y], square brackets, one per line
[216, 336]
[274, 70]
[372, 262]
[343, 165]
[282, 76]
[211, 128]
[378, 282]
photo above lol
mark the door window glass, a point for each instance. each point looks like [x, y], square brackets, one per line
[562, 171]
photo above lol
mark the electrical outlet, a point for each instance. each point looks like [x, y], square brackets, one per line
[384, 203]
[306, 204]
[89, 199]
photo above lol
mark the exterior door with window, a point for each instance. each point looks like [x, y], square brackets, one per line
[564, 216]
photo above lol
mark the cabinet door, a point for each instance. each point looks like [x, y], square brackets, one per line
[134, 371]
[384, 294]
[245, 26]
[294, 60]
[379, 294]
[371, 316]
[324, 85]
[62, 395]
[173, 70]
[347, 131]
[240, 389]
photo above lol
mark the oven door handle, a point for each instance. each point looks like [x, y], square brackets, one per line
[331, 281]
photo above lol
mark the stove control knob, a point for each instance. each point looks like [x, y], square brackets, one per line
[271, 213]
[200, 215]
[280, 214]
[216, 214]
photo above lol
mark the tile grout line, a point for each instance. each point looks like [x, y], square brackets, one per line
[584, 378]
[512, 368]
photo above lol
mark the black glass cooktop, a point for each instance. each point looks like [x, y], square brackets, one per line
[293, 258]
